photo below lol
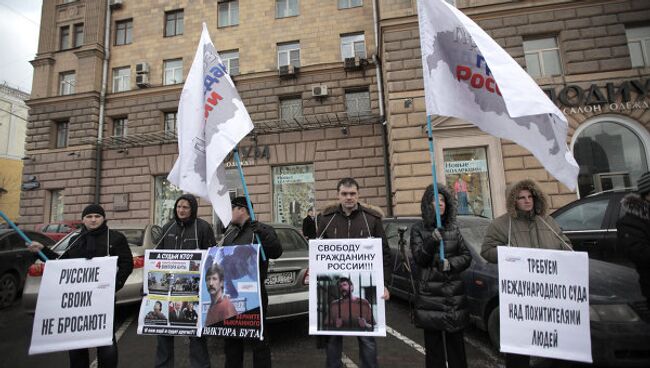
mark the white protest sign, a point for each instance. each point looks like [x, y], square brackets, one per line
[75, 305]
[346, 285]
[544, 303]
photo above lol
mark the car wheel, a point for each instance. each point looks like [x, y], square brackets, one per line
[493, 327]
[8, 290]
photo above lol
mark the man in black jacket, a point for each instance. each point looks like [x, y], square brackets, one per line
[309, 225]
[185, 231]
[349, 219]
[242, 231]
[95, 240]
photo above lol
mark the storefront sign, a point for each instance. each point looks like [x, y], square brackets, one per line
[248, 155]
[469, 166]
[628, 95]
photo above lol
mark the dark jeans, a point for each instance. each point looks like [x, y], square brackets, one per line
[435, 350]
[517, 361]
[367, 351]
[234, 351]
[199, 357]
[106, 357]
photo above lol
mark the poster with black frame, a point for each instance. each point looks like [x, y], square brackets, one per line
[172, 285]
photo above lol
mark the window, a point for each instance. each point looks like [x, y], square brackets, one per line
[344, 4]
[542, 57]
[289, 54]
[353, 45]
[173, 71]
[357, 103]
[228, 14]
[165, 195]
[78, 35]
[174, 23]
[231, 60]
[170, 122]
[286, 8]
[123, 32]
[121, 79]
[638, 40]
[290, 109]
[466, 174]
[64, 38]
[61, 134]
[293, 193]
[120, 127]
[585, 216]
[67, 83]
[56, 205]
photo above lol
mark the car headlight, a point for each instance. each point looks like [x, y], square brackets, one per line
[612, 313]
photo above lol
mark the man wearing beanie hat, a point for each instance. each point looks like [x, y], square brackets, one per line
[96, 240]
[633, 231]
[185, 231]
[242, 230]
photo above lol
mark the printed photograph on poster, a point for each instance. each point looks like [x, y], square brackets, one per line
[156, 314]
[346, 287]
[230, 300]
[158, 282]
[183, 313]
[185, 284]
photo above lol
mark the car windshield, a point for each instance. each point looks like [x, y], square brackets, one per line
[290, 239]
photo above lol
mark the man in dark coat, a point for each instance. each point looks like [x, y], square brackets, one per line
[633, 231]
[243, 231]
[309, 225]
[96, 240]
[185, 231]
[350, 220]
[440, 302]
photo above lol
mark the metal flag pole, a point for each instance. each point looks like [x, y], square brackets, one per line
[22, 234]
[248, 199]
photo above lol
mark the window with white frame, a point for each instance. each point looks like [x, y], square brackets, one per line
[174, 23]
[64, 37]
[289, 54]
[353, 45]
[56, 205]
[231, 60]
[123, 32]
[120, 126]
[170, 121]
[286, 8]
[228, 14]
[173, 71]
[357, 103]
[344, 4]
[121, 79]
[638, 40]
[291, 108]
[67, 82]
[61, 134]
[542, 57]
[78, 35]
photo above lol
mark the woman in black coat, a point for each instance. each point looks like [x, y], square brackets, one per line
[96, 240]
[440, 302]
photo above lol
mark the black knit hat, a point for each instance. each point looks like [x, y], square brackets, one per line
[93, 208]
[643, 184]
[240, 202]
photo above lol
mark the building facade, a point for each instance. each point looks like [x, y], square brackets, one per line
[334, 88]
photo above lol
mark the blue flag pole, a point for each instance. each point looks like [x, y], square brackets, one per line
[248, 199]
[22, 234]
[432, 156]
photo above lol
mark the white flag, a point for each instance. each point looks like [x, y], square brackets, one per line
[502, 100]
[211, 121]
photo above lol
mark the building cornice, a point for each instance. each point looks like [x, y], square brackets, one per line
[38, 102]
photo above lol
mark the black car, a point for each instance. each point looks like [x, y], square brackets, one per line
[590, 224]
[15, 259]
[620, 319]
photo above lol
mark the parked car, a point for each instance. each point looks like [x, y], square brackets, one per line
[57, 230]
[139, 236]
[620, 319]
[590, 224]
[15, 259]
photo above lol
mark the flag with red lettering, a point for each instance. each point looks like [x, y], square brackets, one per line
[467, 75]
[211, 121]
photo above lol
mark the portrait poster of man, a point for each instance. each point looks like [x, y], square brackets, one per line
[345, 287]
[230, 297]
[172, 286]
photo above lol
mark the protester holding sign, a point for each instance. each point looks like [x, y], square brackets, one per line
[525, 225]
[244, 231]
[185, 231]
[633, 231]
[440, 302]
[349, 220]
[96, 240]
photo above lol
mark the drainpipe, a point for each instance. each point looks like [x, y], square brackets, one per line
[382, 114]
[102, 101]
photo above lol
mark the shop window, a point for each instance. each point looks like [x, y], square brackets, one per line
[78, 35]
[611, 154]
[67, 82]
[345, 4]
[231, 60]
[357, 103]
[64, 37]
[353, 45]
[61, 134]
[228, 14]
[56, 205]
[120, 127]
[170, 122]
[466, 175]
[293, 193]
[121, 79]
[291, 109]
[638, 41]
[123, 32]
[286, 8]
[165, 196]
[173, 71]
[235, 189]
[174, 23]
[289, 54]
[542, 57]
